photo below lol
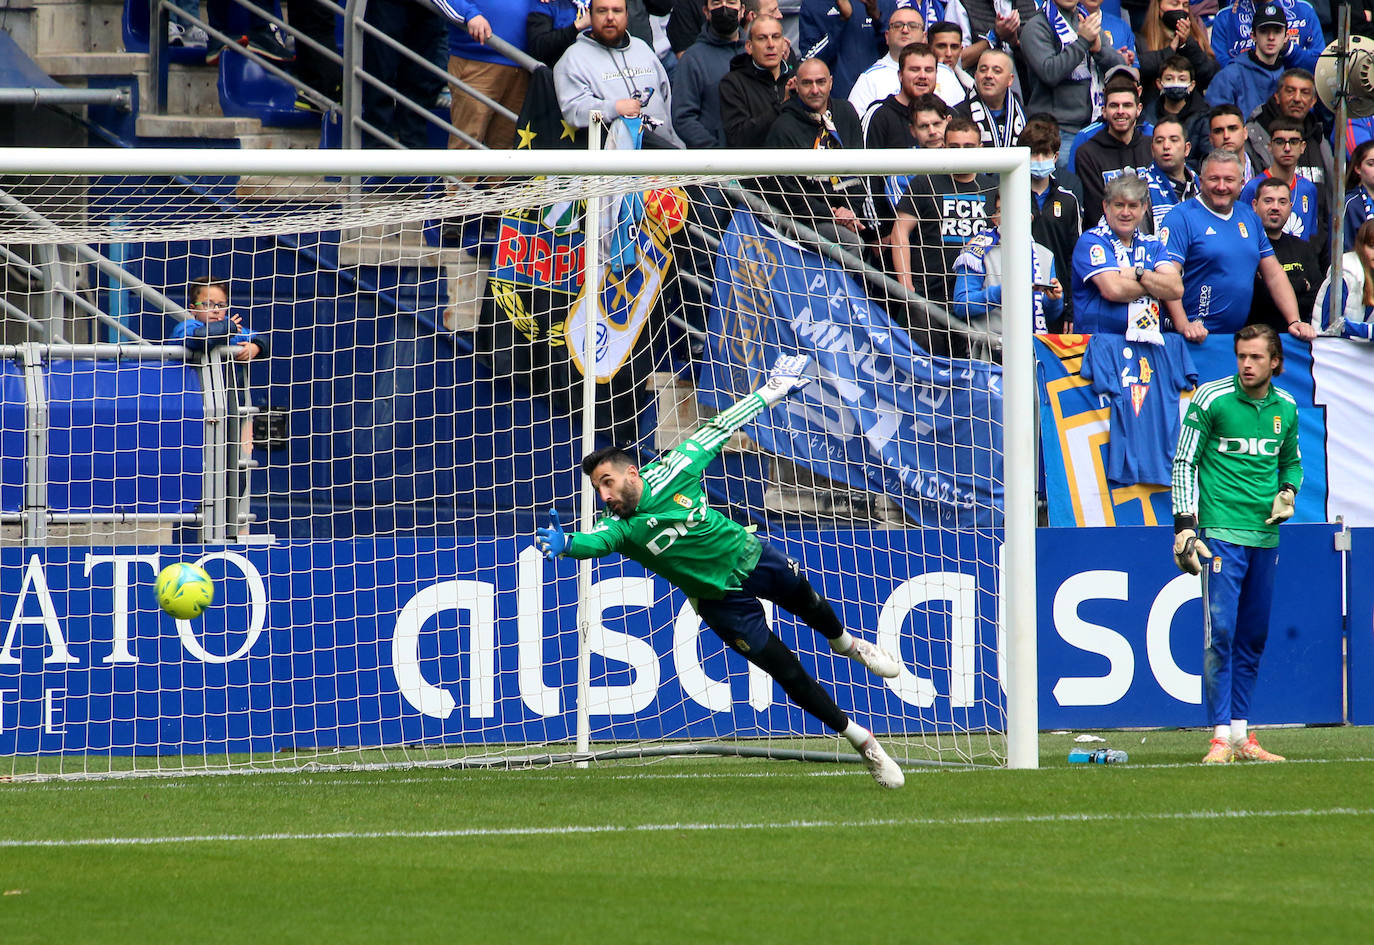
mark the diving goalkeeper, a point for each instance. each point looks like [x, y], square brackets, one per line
[658, 517]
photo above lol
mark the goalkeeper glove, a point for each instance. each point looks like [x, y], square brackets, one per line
[551, 541]
[787, 376]
[1188, 548]
[1283, 505]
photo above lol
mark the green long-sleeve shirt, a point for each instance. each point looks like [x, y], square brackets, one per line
[673, 532]
[1233, 454]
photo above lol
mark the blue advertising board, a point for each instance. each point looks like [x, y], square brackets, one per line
[1121, 631]
[422, 641]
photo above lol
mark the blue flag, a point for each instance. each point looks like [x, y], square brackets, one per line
[886, 416]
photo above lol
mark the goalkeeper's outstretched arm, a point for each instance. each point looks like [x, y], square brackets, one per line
[623, 483]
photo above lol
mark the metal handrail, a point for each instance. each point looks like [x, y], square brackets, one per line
[37, 97]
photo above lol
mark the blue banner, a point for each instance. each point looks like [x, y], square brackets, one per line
[1121, 631]
[413, 641]
[1075, 433]
[885, 416]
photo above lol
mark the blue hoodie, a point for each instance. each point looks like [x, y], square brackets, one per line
[1245, 82]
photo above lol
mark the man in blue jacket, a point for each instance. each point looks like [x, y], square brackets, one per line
[1250, 78]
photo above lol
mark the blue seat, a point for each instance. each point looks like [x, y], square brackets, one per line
[247, 90]
[135, 23]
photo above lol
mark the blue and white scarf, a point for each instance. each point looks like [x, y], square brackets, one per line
[1087, 69]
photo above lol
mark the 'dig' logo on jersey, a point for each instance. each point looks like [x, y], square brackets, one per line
[1249, 445]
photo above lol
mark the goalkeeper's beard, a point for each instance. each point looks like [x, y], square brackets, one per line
[626, 501]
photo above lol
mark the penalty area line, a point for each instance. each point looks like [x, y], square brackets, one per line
[591, 829]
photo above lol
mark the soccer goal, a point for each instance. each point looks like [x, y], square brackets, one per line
[358, 440]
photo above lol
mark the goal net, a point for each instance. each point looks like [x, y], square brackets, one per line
[350, 385]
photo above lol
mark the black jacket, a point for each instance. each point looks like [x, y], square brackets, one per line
[888, 125]
[1099, 158]
[815, 197]
[1299, 260]
[750, 101]
[1055, 225]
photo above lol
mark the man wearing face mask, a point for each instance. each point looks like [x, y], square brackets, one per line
[1055, 218]
[696, 82]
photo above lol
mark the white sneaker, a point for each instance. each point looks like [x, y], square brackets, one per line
[874, 658]
[176, 34]
[883, 768]
[195, 36]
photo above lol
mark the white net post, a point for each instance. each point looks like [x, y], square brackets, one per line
[591, 270]
[1019, 453]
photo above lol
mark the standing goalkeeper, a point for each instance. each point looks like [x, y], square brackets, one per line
[1236, 474]
[659, 517]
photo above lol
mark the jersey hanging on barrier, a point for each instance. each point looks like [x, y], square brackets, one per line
[1143, 383]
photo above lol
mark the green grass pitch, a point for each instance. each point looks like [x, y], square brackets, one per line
[1161, 850]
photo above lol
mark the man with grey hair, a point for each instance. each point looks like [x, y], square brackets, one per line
[1120, 275]
[1220, 244]
[995, 107]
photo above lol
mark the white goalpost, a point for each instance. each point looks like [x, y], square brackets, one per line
[440, 338]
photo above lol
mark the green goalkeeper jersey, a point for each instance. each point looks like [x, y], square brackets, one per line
[1233, 454]
[673, 532]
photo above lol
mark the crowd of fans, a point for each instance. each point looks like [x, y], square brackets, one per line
[1182, 167]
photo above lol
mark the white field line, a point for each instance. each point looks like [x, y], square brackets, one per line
[584, 829]
[283, 779]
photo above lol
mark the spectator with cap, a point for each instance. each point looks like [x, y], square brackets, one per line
[1233, 31]
[752, 92]
[1251, 77]
[1169, 178]
[887, 124]
[696, 81]
[1171, 29]
[1294, 99]
[1272, 202]
[1055, 218]
[1121, 147]
[995, 108]
[1067, 60]
[880, 80]
[844, 34]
